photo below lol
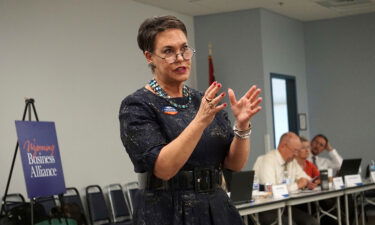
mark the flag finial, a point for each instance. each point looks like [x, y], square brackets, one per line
[209, 48]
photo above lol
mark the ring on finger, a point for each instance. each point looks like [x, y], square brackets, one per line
[208, 99]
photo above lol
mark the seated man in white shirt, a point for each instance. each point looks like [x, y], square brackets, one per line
[270, 169]
[320, 143]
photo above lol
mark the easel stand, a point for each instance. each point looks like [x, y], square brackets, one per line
[29, 102]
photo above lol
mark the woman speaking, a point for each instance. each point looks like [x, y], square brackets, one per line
[179, 139]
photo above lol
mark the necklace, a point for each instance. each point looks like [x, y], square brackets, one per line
[160, 91]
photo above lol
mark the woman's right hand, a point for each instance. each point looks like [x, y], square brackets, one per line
[210, 104]
[302, 182]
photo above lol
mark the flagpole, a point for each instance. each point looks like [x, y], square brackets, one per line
[211, 77]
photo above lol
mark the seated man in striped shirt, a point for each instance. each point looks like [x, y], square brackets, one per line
[319, 144]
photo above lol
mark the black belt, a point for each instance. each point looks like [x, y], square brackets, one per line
[199, 180]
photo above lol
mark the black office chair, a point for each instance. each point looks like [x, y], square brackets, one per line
[369, 196]
[97, 207]
[18, 209]
[119, 206]
[131, 190]
[73, 197]
[12, 200]
[48, 203]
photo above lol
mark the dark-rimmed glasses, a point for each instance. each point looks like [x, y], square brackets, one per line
[319, 143]
[171, 57]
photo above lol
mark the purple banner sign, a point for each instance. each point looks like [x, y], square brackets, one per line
[41, 159]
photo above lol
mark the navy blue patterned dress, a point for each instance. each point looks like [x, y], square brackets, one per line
[147, 124]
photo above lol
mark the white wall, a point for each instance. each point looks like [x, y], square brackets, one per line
[237, 56]
[283, 53]
[341, 83]
[248, 45]
[78, 59]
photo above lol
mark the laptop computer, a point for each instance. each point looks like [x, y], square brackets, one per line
[240, 185]
[349, 167]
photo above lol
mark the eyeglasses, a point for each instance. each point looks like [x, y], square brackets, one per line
[319, 143]
[171, 56]
[293, 149]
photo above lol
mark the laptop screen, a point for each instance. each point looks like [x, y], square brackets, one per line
[349, 167]
[241, 186]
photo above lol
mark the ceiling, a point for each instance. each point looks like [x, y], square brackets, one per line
[303, 10]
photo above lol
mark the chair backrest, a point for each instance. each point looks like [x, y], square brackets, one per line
[12, 200]
[72, 196]
[119, 206]
[131, 190]
[97, 207]
[72, 202]
[47, 202]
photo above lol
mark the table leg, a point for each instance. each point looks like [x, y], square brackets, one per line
[346, 210]
[279, 221]
[245, 220]
[338, 211]
[317, 211]
[363, 208]
[257, 219]
[290, 221]
[355, 208]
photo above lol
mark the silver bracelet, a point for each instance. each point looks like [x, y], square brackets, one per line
[243, 134]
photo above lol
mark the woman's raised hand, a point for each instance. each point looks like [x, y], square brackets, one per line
[210, 104]
[246, 107]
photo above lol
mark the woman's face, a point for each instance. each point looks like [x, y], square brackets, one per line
[305, 150]
[168, 42]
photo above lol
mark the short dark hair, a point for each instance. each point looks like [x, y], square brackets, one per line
[152, 26]
[322, 136]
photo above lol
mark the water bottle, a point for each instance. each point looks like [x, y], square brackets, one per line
[256, 183]
[330, 178]
[372, 171]
[372, 166]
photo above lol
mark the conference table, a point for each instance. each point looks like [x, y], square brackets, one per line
[302, 197]
[261, 205]
[357, 190]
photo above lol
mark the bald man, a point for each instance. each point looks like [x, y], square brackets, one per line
[271, 170]
[277, 161]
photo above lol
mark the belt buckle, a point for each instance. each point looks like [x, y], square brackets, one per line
[203, 179]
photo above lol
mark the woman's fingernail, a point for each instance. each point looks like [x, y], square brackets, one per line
[223, 94]
[214, 83]
[225, 104]
[219, 85]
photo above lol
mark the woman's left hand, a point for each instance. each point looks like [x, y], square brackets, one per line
[246, 107]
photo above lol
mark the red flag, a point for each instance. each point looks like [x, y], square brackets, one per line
[211, 77]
